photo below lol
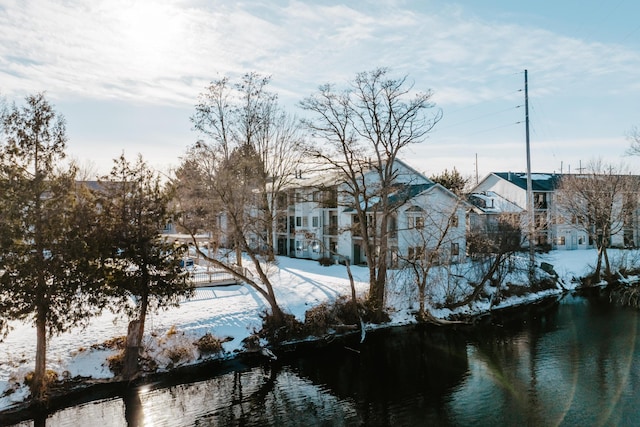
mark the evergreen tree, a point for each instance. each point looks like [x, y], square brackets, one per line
[145, 266]
[451, 180]
[47, 261]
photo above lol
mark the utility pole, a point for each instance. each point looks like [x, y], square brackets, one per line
[532, 255]
[476, 168]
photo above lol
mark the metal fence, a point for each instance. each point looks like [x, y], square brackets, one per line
[211, 278]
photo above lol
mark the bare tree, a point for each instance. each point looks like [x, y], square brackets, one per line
[432, 244]
[491, 245]
[359, 132]
[216, 196]
[634, 140]
[598, 202]
[245, 117]
[229, 183]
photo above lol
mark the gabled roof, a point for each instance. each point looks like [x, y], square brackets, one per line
[403, 193]
[539, 181]
[408, 192]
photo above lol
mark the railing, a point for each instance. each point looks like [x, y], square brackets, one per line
[330, 230]
[217, 277]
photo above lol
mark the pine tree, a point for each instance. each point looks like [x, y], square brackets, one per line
[46, 227]
[451, 180]
[145, 266]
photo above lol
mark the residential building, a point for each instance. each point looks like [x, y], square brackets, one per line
[317, 218]
[553, 227]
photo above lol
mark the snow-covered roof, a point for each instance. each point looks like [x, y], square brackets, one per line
[539, 181]
[492, 202]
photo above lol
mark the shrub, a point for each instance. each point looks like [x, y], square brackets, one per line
[178, 353]
[115, 362]
[325, 317]
[208, 344]
[290, 328]
[116, 343]
[50, 377]
[325, 261]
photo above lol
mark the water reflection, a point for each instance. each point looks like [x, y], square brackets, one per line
[576, 362]
[399, 376]
[575, 367]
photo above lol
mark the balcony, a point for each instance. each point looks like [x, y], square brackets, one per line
[330, 230]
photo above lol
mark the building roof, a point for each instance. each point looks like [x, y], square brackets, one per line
[539, 181]
[492, 202]
[404, 193]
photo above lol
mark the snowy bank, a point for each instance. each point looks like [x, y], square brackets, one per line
[233, 311]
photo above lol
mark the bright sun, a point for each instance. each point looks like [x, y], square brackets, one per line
[149, 31]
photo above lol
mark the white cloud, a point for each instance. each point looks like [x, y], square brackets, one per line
[155, 50]
[164, 52]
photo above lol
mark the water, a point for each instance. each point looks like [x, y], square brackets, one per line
[572, 362]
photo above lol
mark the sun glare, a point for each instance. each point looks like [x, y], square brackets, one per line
[149, 31]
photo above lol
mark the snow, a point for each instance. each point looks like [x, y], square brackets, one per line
[234, 311]
[537, 176]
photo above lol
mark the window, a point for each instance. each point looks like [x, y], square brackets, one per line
[298, 221]
[415, 222]
[560, 241]
[540, 200]
[415, 252]
[282, 200]
[455, 249]
[393, 227]
[315, 221]
[305, 221]
[454, 221]
[281, 223]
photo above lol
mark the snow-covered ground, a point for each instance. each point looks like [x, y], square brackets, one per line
[230, 311]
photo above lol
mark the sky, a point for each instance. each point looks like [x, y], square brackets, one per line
[126, 75]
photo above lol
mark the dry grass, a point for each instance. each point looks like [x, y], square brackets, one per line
[209, 344]
[115, 362]
[325, 317]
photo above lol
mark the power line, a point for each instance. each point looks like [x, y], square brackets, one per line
[476, 118]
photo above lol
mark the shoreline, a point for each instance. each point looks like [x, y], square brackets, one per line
[82, 390]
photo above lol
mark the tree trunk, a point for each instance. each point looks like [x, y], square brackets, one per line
[354, 298]
[421, 307]
[135, 333]
[131, 351]
[598, 263]
[39, 385]
[238, 255]
[607, 264]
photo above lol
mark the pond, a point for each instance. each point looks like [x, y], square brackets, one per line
[572, 361]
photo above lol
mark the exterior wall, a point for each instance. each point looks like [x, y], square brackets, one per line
[309, 231]
[546, 214]
[308, 227]
[436, 208]
[506, 189]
